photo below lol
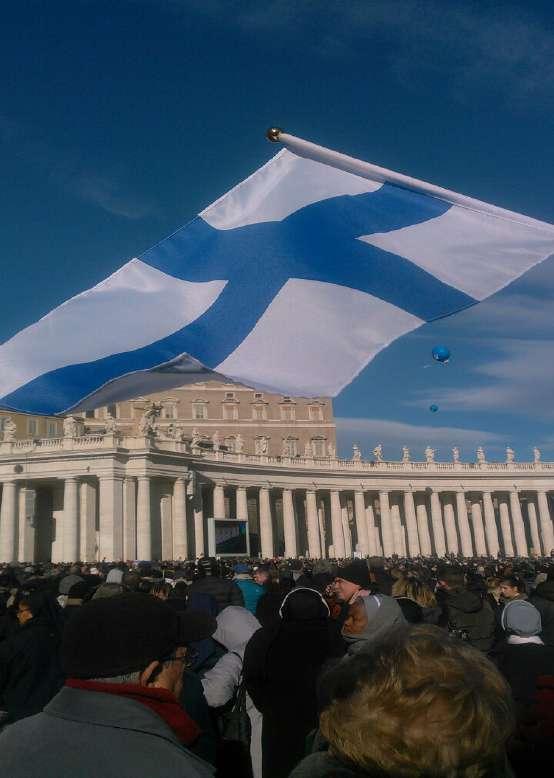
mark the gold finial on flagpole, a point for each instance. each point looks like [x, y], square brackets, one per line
[273, 134]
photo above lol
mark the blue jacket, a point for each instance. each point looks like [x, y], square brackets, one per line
[251, 592]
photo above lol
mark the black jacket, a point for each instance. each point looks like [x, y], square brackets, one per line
[543, 600]
[521, 665]
[224, 591]
[470, 618]
[281, 667]
[30, 670]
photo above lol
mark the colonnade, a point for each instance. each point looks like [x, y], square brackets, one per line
[147, 517]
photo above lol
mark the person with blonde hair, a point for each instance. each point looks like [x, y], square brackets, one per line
[421, 704]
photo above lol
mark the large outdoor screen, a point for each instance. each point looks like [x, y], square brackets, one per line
[228, 537]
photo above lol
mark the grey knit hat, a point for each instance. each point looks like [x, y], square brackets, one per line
[520, 617]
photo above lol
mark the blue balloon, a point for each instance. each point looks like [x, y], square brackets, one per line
[433, 408]
[441, 354]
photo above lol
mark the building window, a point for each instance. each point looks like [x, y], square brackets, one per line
[318, 447]
[261, 445]
[288, 413]
[199, 410]
[291, 447]
[258, 396]
[230, 444]
[169, 411]
[89, 415]
[230, 412]
[315, 413]
[259, 412]
[52, 429]
[32, 428]
[229, 395]
[111, 410]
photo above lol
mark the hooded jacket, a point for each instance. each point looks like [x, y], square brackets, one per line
[543, 600]
[383, 616]
[470, 617]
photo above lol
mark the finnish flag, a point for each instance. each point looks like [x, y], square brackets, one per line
[291, 282]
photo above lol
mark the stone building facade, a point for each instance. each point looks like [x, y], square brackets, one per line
[148, 496]
[236, 417]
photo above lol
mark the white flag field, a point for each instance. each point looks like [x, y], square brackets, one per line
[291, 282]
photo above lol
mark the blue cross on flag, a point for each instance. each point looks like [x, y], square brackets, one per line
[291, 282]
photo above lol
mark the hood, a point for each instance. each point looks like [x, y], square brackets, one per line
[545, 590]
[235, 627]
[383, 615]
[464, 600]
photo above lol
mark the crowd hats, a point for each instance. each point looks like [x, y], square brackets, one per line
[357, 572]
[123, 634]
[520, 617]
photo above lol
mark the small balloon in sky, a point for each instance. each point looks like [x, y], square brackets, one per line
[441, 354]
[433, 408]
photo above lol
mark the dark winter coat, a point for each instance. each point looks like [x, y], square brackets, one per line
[281, 666]
[30, 670]
[521, 665]
[470, 618]
[90, 734]
[224, 591]
[543, 600]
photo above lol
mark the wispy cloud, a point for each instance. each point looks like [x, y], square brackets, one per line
[504, 48]
[394, 434]
[105, 188]
[518, 381]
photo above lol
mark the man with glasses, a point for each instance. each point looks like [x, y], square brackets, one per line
[118, 713]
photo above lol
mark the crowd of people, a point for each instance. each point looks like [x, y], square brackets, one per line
[308, 669]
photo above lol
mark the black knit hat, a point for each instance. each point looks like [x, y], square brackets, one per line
[123, 634]
[356, 572]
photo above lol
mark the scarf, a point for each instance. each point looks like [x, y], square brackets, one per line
[161, 701]
[519, 640]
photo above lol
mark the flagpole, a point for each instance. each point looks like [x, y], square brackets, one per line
[309, 150]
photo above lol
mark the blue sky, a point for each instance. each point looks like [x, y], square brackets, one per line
[121, 120]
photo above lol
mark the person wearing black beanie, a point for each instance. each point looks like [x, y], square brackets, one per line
[118, 714]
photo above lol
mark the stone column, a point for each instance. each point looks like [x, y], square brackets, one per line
[129, 518]
[423, 529]
[372, 531]
[219, 502]
[463, 524]
[198, 512]
[312, 522]
[8, 522]
[27, 501]
[180, 543]
[289, 524]
[266, 525]
[450, 525]
[361, 523]
[336, 526]
[71, 520]
[87, 522]
[347, 535]
[478, 530]
[534, 527]
[144, 519]
[505, 527]
[519, 529]
[111, 518]
[386, 524]
[547, 533]
[411, 524]
[436, 520]
[490, 525]
[242, 503]
[396, 527]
